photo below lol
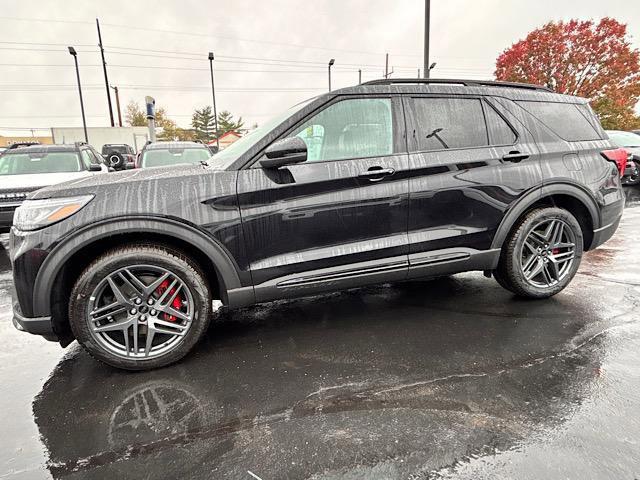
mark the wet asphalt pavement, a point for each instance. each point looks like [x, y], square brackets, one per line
[452, 378]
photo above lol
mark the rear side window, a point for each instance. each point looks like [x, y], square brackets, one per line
[500, 133]
[444, 123]
[565, 119]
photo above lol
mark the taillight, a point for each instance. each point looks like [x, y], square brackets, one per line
[619, 157]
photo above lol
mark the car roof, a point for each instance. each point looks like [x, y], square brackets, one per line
[510, 90]
[45, 149]
[171, 145]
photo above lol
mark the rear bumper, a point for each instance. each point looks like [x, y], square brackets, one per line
[603, 234]
[37, 326]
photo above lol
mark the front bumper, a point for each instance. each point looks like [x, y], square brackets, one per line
[37, 326]
[6, 217]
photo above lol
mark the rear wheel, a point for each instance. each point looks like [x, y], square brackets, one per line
[542, 254]
[140, 307]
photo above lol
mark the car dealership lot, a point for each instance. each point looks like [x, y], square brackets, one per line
[452, 378]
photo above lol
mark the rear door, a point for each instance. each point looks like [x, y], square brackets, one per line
[340, 218]
[469, 162]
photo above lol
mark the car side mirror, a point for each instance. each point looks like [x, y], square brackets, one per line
[95, 167]
[285, 152]
[129, 166]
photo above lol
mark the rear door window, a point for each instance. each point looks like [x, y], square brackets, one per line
[565, 119]
[446, 123]
[500, 133]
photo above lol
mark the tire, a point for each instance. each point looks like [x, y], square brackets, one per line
[558, 263]
[147, 263]
[116, 160]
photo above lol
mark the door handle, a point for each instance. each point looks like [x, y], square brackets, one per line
[515, 156]
[375, 174]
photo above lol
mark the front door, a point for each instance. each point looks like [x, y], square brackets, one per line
[340, 218]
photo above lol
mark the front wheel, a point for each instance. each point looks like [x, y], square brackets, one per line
[140, 307]
[542, 254]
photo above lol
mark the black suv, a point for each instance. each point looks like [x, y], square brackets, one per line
[386, 181]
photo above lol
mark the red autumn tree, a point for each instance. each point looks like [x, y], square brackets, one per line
[581, 58]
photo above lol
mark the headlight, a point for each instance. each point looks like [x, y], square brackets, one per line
[35, 214]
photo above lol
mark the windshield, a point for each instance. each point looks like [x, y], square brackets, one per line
[26, 163]
[233, 151]
[163, 157]
[625, 139]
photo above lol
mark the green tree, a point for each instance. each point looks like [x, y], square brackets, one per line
[137, 117]
[203, 123]
[134, 116]
[226, 123]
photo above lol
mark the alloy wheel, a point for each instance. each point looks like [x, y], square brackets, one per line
[548, 253]
[140, 311]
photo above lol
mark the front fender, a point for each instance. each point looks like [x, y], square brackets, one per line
[226, 268]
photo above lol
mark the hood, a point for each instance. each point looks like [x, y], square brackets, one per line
[92, 184]
[37, 180]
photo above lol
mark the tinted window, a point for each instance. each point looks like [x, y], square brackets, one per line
[349, 129]
[565, 119]
[500, 133]
[444, 123]
[173, 156]
[54, 162]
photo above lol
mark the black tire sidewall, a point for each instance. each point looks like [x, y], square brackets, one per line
[175, 262]
[512, 272]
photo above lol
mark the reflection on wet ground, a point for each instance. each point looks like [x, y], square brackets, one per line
[452, 378]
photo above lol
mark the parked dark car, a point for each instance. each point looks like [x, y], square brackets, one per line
[117, 155]
[631, 143]
[27, 168]
[162, 154]
[386, 181]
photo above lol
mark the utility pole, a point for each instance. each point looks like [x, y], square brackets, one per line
[418, 73]
[359, 76]
[115, 89]
[73, 53]
[331, 62]
[104, 68]
[213, 92]
[386, 65]
[427, 20]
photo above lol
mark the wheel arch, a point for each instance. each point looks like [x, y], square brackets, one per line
[69, 258]
[575, 199]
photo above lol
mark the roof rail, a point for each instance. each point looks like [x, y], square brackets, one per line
[457, 81]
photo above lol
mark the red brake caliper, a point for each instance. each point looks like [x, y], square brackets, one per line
[176, 303]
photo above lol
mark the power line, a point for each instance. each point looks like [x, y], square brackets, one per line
[205, 35]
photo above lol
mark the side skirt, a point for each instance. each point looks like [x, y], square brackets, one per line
[420, 265]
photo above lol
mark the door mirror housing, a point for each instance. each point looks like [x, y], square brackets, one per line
[285, 152]
[95, 167]
[129, 166]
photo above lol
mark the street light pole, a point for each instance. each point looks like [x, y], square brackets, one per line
[213, 93]
[115, 89]
[104, 68]
[427, 20]
[73, 52]
[331, 62]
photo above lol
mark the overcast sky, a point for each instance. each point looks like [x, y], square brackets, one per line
[269, 54]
